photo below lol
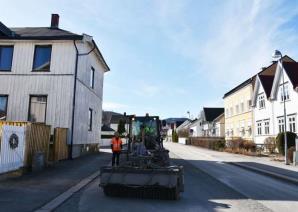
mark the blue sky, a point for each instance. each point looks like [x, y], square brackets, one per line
[168, 57]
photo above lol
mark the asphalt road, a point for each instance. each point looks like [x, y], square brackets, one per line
[210, 185]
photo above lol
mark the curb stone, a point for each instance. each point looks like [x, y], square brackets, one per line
[267, 173]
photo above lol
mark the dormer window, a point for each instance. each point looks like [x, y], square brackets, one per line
[42, 58]
[261, 101]
[284, 95]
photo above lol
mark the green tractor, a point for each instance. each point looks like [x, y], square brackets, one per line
[145, 170]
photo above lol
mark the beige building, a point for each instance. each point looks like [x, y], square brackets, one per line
[239, 115]
[238, 112]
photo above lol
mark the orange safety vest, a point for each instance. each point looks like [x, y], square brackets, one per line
[116, 144]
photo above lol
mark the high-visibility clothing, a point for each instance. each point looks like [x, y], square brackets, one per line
[116, 144]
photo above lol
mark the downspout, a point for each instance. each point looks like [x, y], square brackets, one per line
[74, 93]
[74, 99]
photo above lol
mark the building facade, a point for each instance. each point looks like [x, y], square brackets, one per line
[46, 77]
[269, 101]
[238, 112]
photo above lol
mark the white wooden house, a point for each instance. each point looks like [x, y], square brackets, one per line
[268, 101]
[53, 76]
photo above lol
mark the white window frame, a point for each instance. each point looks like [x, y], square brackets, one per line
[259, 128]
[285, 97]
[261, 101]
[292, 123]
[281, 124]
[267, 127]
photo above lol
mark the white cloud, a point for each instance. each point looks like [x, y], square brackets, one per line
[241, 38]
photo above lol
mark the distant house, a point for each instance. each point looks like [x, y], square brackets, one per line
[210, 120]
[218, 126]
[196, 127]
[207, 122]
[184, 126]
[239, 116]
[53, 76]
[112, 119]
[172, 124]
[106, 134]
[268, 101]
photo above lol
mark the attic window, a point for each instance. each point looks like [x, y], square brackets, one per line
[261, 100]
[42, 58]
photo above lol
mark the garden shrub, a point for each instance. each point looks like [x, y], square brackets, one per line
[183, 133]
[174, 136]
[281, 144]
[291, 151]
[249, 146]
[270, 144]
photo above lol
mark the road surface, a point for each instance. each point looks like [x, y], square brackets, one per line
[210, 185]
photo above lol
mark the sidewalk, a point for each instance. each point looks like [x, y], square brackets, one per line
[33, 190]
[263, 165]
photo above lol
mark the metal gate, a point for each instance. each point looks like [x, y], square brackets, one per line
[12, 148]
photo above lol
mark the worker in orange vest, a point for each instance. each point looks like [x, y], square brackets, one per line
[116, 146]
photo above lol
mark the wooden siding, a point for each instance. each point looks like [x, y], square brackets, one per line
[57, 85]
[62, 57]
[57, 88]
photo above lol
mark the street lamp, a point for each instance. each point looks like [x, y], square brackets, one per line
[188, 114]
[277, 55]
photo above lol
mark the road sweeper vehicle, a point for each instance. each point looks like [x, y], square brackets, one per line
[145, 170]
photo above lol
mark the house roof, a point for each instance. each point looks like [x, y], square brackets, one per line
[269, 70]
[175, 120]
[43, 33]
[117, 117]
[267, 82]
[292, 71]
[212, 112]
[106, 128]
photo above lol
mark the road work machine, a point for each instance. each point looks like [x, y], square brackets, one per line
[145, 170]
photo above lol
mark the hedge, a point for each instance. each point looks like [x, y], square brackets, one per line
[280, 142]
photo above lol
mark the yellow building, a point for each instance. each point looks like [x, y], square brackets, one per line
[238, 111]
[239, 116]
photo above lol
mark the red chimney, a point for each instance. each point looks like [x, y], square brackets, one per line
[55, 21]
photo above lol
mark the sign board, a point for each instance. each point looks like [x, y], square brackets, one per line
[12, 148]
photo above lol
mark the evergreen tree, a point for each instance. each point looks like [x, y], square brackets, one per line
[121, 127]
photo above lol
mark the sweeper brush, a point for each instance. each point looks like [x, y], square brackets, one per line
[162, 183]
[145, 170]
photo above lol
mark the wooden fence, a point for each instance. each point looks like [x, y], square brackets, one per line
[38, 138]
[60, 147]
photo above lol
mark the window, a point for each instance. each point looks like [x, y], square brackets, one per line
[91, 83]
[6, 53]
[37, 108]
[3, 107]
[292, 123]
[261, 100]
[42, 58]
[248, 105]
[259, 128]
[237, 109]
[284, 96]
[242, 107]
[281, 127]
[231, 111]
[90, 119]
[227, 113]
[266, 127]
